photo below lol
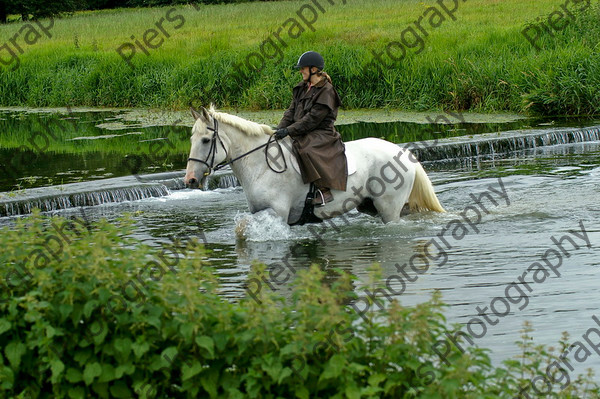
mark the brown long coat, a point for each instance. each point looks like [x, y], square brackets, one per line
[318, 146]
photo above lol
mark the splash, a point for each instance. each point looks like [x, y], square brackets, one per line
[261, 227]
[187, 194]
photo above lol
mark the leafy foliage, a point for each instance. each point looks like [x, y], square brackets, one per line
[93, 313]
[35, 9]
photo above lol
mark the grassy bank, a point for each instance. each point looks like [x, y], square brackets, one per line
[479, 61]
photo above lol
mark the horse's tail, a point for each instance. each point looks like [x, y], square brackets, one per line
[422, 197]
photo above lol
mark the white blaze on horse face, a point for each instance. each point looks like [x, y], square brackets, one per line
[206, 152]
[200, 147]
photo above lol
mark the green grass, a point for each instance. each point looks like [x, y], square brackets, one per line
[480, 62]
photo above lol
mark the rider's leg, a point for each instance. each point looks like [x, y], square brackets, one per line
[323, 195]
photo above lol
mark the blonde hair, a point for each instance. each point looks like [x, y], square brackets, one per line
[323, 73]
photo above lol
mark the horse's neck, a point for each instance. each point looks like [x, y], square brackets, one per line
[252, 165]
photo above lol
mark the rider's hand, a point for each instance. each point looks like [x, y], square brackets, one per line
[281, 133]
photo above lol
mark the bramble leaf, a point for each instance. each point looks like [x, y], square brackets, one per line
[73, 375]
[77, 393]
[123, 346]
[189, 372]
[139, 348]
[57, 368]
[91, 371]
[206, 343]
[4, 325]
[120, 390]
[333, 368]
[14, 351]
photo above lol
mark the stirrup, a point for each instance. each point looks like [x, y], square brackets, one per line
[323, 200]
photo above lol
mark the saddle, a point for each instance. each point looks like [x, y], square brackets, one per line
[350, 163]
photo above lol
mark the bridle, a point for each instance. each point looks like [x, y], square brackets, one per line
[212, 152]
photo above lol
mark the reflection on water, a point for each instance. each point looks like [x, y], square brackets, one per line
[44, 149]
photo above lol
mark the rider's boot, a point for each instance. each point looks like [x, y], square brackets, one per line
[322, 197]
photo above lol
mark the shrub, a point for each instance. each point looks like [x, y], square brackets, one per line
[87, 311]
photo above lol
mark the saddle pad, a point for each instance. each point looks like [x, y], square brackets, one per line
[350, 164]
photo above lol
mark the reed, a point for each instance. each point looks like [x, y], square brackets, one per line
[481, 61]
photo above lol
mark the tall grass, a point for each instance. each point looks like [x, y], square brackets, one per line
[479, 62]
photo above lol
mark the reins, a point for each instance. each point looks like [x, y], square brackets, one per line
[213, 151]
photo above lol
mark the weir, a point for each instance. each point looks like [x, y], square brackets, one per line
[98, 192]
[463, 151]
[48, 201]
[499, 145]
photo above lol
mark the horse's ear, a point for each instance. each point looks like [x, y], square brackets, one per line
[197, 115]
[206, 114]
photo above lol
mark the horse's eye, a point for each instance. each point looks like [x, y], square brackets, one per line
[205, 140]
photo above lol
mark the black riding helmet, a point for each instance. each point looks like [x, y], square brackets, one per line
[311, 59]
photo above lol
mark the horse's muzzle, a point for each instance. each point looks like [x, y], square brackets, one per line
[192, 183]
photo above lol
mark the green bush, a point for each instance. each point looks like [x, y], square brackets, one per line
[86, 311]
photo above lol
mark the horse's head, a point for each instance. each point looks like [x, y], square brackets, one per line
[208, 148]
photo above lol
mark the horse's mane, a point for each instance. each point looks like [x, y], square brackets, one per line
[248, 127]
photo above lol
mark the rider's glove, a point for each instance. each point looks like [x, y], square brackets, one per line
[281, 133]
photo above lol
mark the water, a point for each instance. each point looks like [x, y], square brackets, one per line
[42, 149]
[552, 187]
[47, 149]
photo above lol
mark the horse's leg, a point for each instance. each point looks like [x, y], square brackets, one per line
[393, 197]
[242, 223]
[389, 206]
[276, 209]
[268, 196]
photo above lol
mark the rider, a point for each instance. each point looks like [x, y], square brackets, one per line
[309, 122]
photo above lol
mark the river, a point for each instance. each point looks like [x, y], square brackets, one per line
[549, 172]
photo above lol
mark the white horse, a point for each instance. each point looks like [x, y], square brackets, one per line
[387, 177]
